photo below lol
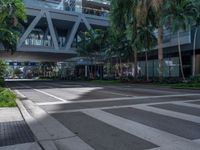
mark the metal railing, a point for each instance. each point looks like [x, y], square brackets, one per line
[96, 12]
[62, 5]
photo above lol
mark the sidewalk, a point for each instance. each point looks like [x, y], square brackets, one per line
[14, 132]
[50, 134]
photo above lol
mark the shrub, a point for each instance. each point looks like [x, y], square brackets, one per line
[2, 83]
[7, 98]
[3, 67]
[195, 79]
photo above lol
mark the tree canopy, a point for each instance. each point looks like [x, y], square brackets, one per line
[12, 12]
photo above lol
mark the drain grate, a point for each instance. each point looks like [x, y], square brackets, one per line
[15, 132]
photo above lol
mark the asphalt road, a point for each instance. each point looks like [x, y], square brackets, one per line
[120, 116]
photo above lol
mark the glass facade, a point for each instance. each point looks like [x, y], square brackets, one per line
[39, 38]
[71, 5]
[171, 67]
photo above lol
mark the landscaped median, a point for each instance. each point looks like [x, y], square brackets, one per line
[185, 86]
[7, 98]
[106, 81]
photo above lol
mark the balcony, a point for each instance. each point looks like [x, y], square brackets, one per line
[171, 40]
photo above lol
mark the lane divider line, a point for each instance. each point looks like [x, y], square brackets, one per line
[58, 98]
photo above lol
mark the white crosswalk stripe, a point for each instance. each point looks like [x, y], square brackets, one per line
[169, 113]
[187, 104]
[165, 140]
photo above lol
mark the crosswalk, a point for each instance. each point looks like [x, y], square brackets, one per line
[163, 137]
[163, 122]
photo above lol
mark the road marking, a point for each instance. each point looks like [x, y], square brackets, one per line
[63, 85]
[97, 100]
[50, 103]
[168, 113]
[62, 136]
[197, 141]
[158, 137]
[187, 104]
[58, 98]
[114, 93]
[173, 147]
[125, 98]
[112, 107]
[20, 94]
[142, 89]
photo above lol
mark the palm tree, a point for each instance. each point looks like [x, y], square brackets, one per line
[196, 26]
[152, 10]
[181, 15]
[11, 13]
[123, 20]
[91, 45]
[147, 40]
[131, 13]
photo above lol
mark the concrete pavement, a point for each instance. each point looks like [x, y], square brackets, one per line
[14, 132]
[81, 115]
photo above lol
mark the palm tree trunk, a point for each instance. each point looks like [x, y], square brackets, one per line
[180, 56]
[160, 52]
[146, 65]
[135, 65]
[120, 66]
[194, 53]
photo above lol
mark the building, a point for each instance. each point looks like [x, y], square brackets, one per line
[171, 56]
[53, 28]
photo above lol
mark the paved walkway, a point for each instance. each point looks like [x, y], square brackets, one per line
[14, 132]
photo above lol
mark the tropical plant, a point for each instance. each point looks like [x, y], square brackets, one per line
[3, 68]
[118, 48]
[123, 20]
[179, 15]
[45, 67]
[11, 13]
[152, 10]
[17, 71]
[91, 45]
[7, 98]
[137, 20]
[147, 39]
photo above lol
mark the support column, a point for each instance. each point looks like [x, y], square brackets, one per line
[86, 71]
[197, 66]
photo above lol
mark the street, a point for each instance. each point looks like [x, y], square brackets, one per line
[119, 116]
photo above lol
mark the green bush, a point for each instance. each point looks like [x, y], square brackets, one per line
[7, 98]
[3, 68]
[195, 79]
[106, 81]
[2, 83]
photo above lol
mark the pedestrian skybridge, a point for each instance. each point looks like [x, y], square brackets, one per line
[54, 26]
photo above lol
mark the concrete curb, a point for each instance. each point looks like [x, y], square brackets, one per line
[41, 135]
[63, 138]
[50, 134]
[26, 146]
